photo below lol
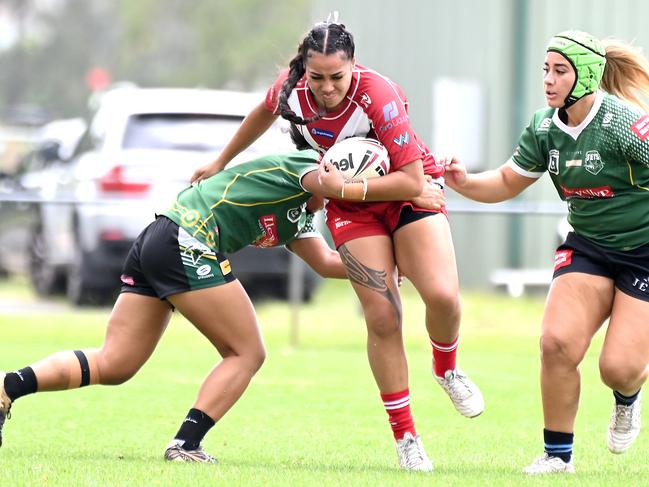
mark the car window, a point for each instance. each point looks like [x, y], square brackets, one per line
[193, 132]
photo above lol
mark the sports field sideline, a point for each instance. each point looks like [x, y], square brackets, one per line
[312, 415]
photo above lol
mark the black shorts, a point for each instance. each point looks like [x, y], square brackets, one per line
[166, 260]
[409, 214]
[629, 270]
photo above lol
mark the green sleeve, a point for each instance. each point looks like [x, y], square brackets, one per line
[528, 155]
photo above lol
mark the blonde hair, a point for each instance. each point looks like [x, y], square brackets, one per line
[626, 74]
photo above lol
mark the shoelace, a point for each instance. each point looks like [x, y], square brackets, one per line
[623, 417]
[413, 454]
[457, 387]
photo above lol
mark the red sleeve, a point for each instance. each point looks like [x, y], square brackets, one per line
[272, 95]
[389, 116]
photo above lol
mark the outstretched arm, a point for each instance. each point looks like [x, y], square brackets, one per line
[253, 126]
[487, 187]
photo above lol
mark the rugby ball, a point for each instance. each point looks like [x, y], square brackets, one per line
[358, 158]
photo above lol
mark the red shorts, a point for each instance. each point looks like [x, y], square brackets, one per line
[349, 221]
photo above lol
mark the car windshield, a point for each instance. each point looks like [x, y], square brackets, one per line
[185, 131]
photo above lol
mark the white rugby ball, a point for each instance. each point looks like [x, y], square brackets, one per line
[358, 158]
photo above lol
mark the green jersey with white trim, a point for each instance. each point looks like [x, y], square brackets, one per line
[600, 167]
[260, 202]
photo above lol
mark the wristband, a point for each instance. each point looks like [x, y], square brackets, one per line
[354, 191]
[364, 188]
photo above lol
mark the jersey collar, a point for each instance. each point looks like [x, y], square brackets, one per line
[574, 132]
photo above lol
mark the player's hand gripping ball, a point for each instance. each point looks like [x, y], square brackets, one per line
[358, 157]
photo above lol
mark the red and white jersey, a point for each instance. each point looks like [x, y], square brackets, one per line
[375, 107]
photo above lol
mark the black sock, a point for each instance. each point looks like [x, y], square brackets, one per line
[558, 444]
[20, 383]
[621, 399]
[194, 428]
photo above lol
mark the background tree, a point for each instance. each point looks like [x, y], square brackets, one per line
[213, 44]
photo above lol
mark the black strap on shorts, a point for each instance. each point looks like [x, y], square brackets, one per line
[85, 368]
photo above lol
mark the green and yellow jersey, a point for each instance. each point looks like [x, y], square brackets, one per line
[260, 202]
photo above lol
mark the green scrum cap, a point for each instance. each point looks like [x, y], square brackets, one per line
[586, 55]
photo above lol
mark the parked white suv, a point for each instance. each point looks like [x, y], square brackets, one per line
[139, 151]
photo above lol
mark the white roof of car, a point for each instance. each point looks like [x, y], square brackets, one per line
[179, 100]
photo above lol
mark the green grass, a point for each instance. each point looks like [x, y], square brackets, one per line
[312, 416]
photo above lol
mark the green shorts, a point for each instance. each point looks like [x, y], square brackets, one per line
[166, 260]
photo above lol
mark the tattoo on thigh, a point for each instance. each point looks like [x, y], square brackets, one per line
[368, 277]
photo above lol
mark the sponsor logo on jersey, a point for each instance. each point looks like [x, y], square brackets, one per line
[553, 161]
[322, 133]
[402, 140]
[204, 272]
[293, 214]
[573, 163]
[544, 126]
[588, 193]
[594, 163]
[395, 122]
[562, 258]
[641, 127]
[366, 101]
[390, 111]
[189, 218]
[225, 267]
[269, 237]
[608, 118]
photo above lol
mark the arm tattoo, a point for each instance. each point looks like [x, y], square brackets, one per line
[369, 278]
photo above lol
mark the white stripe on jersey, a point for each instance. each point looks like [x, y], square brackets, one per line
[519, 170]
[358, 123]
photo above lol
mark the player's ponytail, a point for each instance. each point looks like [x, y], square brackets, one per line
[297, 68]
[627, 73]
[325, 38]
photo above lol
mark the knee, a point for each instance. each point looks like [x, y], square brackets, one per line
[558, 350]
[618, 374]
[257, 359]
[110, 371]
[383, 321]
[249, 359]
[443, 301]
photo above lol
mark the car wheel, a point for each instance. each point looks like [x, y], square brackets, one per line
[45, 278]
[81, 290]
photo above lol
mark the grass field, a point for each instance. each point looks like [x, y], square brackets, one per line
[312, 416]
